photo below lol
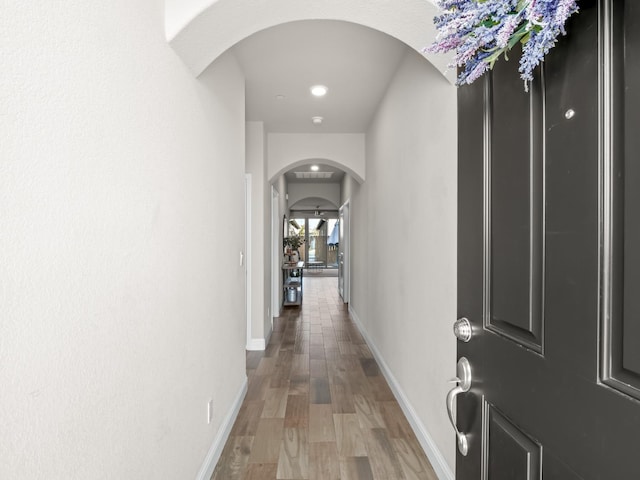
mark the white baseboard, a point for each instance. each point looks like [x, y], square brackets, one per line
[433, 453]
[256, 344]
[221, 437]
[260, 343]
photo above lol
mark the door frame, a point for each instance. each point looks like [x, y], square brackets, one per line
[247, 255]
[345, 213]
[276, 228]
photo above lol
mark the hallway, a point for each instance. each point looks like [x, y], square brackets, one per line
[317, 405]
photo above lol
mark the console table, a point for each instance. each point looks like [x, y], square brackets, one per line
[292, 283]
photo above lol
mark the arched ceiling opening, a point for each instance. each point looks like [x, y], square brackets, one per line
[311, 204]
[299, 165]
[201, 30]
[315, 172]
[309, 192]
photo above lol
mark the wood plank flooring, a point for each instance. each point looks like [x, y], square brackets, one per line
[317, 405]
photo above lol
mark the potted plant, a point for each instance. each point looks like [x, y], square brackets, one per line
[292, 243]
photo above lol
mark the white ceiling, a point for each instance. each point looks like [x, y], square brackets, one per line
[356, 63]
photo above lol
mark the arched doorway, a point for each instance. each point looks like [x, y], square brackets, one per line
[220, 24]
[405, 160]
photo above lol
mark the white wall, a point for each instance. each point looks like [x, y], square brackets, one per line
[178, 13]
[347, 187]
[342, 150]
[281, 187]
[300, 191]
[404, 217]
[121, 185]
[260, 223]
[267, 294]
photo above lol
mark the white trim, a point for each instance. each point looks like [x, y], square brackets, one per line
[256, 344]
[247, 253]
[345, 243]
[438, 462]
[211, 460]
[276, 231]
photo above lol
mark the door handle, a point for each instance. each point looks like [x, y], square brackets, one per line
[463, 381]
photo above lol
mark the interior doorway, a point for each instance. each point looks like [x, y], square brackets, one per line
[321, 240]
[344, 252]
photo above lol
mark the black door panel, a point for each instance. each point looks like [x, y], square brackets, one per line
[549, 258]
[621, 350]
[516, 214]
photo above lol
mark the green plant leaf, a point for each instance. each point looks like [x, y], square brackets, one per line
[515, 38]
[494, 56]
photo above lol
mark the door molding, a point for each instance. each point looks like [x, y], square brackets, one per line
[613, 202]
[345, 216]
[247, 256]
[276, 227]
[531, 336]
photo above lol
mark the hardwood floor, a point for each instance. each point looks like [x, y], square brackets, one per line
[317, 405]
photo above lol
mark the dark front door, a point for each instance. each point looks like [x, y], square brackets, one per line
[549, 259]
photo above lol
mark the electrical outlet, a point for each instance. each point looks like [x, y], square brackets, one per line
[209, 411]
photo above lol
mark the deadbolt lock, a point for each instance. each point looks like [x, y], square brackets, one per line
[462, 329]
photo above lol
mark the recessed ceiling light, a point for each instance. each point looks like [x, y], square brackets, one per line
[315, 168]
[317, 120]
[319, 90]
[279, 97]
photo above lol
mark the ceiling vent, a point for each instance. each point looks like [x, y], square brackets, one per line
[313, 174]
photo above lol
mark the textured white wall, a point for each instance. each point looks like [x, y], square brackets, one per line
[121, 294]
[343, 150]
[347, 186]
[260, 219]
[300, 191]
[268, 251]
[179, 13]
[404, 217]
[283, 209]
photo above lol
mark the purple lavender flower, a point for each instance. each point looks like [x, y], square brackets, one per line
[565, 9]
[506, 30]
[480, 31]
[473, 70]
[551, 16]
